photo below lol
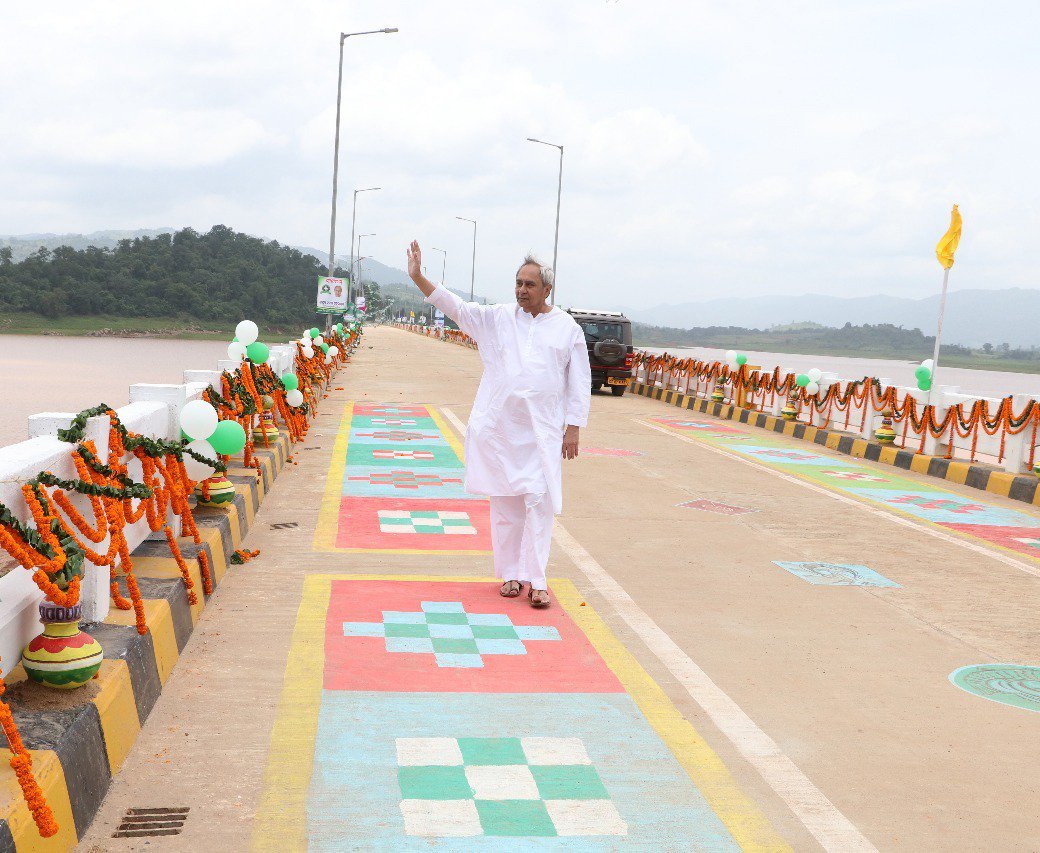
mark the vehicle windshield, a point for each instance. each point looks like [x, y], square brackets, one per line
[596, 331]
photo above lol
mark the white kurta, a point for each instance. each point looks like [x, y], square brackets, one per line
[536, 382]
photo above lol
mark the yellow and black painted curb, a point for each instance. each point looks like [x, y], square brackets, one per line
[1019, 487]
[77, 751]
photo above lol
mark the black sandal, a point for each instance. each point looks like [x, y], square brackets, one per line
[506, 591]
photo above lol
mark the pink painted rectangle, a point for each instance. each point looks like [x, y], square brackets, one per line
[716, 507]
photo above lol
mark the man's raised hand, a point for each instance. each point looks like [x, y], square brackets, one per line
[414, 260]
[415, 269]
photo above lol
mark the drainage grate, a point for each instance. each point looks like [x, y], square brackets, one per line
[146, 823]
[284, 525]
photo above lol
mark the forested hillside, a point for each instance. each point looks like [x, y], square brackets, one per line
[221, 274]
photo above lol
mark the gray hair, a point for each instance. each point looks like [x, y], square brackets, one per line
[545, 272]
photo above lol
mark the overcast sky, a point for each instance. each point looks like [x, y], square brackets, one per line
[712, 148]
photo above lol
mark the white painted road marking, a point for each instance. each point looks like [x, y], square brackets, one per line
[817, 813]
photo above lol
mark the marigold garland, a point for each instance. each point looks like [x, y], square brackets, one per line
[21, 763]
[243, 556]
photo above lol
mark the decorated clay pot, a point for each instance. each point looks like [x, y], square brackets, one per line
[62, 656]
[719, 394]
[265, 426]
[790, 410]
[885, 434]
[221, 491]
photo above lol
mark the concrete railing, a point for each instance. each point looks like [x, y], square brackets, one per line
[153, 411]
[1011, 452]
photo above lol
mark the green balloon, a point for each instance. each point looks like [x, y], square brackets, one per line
[741, 359]
[228, 438]
[315, 332]
[802, 380]
[922, 373]
[258, 353]
[290, 382]
[324, 347]
[339, 327]
[925, 384]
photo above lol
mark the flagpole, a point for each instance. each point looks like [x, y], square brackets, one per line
[938, 331]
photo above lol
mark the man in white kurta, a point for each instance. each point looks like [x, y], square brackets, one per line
[532, 400]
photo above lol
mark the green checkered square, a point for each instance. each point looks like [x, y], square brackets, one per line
[494, 632]
[515, 818]
[406, 629]
[568, 782]
[455, 645]
[489, 750]
[447, 618]
[434, 783]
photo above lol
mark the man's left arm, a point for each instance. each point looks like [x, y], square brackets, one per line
[578, 393]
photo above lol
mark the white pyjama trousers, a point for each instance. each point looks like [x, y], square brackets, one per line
[521, 532]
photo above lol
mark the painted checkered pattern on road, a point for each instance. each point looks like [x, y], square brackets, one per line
[454, 637]
[449, 523]
[512, 787]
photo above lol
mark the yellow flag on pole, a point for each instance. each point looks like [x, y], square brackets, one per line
[948, 244]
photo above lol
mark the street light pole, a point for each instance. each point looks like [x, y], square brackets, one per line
[360, 258]
[444, 263]
[353, 225]
[559, 193]
[335, 155]
[473, 263]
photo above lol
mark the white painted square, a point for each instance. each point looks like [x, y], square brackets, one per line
[428, 752]
[585, 817]
[441, 818]
[554, 750]
[502, 782]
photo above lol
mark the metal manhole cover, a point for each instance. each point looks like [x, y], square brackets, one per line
[145, 823]
[1007, 683]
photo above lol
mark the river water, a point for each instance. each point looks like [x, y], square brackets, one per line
[984, 383]
[67, 374]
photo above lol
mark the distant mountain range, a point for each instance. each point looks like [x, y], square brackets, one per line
[973, 317]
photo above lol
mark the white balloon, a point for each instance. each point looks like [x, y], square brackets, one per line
[929, 363]
[815, 374]
[731, 355]
[328, 358]
[198, 471]
[236, 351]
[198, 419]
[318, 341]
[305, 341]
[247, 332]
[812, 388]
[333, 351]
[733, 365]
[308, 352]
[294, 397]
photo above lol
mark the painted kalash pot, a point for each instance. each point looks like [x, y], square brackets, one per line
[790, 410]
[719, 394]
[62, 656]
[218, 490]
[265, 427]
[885, 433]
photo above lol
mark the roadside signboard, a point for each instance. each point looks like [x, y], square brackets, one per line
[360, 300]
[332, 295]
[438, 318]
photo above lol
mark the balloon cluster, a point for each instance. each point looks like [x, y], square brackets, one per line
[810, 381]
[735, 360]
[293, 394]
[208, 436]
[924, 375]
[246, 345]
[312, 339]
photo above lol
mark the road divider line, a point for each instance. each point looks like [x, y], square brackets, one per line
[832, 829]
[845, 499]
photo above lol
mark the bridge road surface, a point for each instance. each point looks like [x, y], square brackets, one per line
[684, 692]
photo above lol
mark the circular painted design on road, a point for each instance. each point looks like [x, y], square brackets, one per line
[1007, 683]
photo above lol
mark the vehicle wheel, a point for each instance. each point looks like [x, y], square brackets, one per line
[617, 390]
[596, 386]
